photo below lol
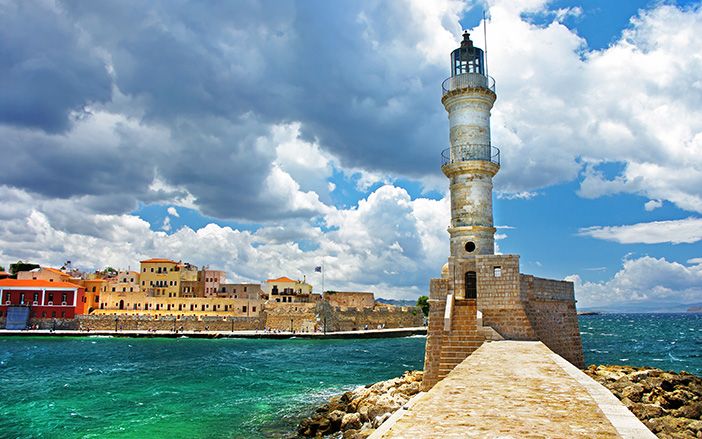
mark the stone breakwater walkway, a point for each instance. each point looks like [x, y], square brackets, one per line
[370, 333]
[514, 389]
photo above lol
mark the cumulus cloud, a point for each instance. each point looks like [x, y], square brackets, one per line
[687, 230]
[172, 211]
[645, 279]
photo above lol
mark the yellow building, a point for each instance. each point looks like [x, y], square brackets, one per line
[160, 277]
[124, 281]
[286, 290]
[125, 303]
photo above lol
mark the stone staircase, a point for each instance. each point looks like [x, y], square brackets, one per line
[463, 338]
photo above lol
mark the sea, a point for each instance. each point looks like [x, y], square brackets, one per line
[102, 387]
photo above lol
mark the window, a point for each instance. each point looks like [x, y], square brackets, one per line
[21, 298]
[131, 289]
[470, 246]
[93, 289]
[253, 309]
[144, 270]
[43, 314]
[497, 271]
[143, 283]
[53, 313]
[7, 297]
[36, 297]
[51, 297]
[64, 297]
[63, 313]
[243, 309]
[152, 269]
[113, 289]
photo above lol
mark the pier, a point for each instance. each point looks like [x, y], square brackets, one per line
[514, 389]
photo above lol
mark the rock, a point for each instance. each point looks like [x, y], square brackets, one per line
[358, 412]
[633, 392]
[668, 403]
[691, 410]
[351, 421]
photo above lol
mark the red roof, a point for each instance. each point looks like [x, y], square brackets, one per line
[39, 283]
[5, 273]
[157, 260]
[281, 280]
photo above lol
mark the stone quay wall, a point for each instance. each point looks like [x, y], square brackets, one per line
[50, 323]
[298, 317]
[380, 316]
[167, 323]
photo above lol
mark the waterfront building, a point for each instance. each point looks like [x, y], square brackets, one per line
[124, 281]
[45, 273]
[27, 299]
[144, 304]
[211, 280]
[482, 295]
[242, 290]
[286, 290]
[93, 288]
[160, 277]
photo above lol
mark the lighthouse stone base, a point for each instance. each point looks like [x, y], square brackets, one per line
[509, 305]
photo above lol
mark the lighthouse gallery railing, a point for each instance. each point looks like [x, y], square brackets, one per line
[470, 152]
[467, 80]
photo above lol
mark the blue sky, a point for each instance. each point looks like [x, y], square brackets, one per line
[268, 138]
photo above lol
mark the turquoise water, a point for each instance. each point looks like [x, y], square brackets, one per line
[182, 388]
[666, 341]
[93, 387]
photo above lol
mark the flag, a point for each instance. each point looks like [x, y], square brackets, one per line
[317, 269]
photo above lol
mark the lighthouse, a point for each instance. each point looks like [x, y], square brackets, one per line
[471, 161]
[482, 296]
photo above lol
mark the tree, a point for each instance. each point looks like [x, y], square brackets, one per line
[22, 266]
[423, 302]
[2, 268]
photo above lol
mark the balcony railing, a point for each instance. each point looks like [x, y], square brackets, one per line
[467, 80]
[470, 152]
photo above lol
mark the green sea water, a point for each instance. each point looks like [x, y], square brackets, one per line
[92, 387]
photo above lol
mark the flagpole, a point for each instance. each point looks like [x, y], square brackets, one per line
[323, 270]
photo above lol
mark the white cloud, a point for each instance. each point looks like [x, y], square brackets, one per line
[562, 107]
[166, 226]
[653, 205]
[687, 230]
[173, 212]
[641, 280]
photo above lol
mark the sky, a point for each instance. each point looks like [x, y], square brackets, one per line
[266, 138]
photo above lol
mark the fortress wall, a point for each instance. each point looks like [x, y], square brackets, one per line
[299, 317]
[350, 299]
[500, 298]
[352, 319]
[551, 310]
[149, 323]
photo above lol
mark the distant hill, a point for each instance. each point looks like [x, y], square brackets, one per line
[646, 307]
[396, 302]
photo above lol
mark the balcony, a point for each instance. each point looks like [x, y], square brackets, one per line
[470, 152]
[468, 80]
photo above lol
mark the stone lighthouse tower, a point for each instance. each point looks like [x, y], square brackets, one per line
[482, 296]
[471, 161]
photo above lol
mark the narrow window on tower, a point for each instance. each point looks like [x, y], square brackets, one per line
[498, 271]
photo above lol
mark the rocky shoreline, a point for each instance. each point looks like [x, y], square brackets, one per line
[668, 403]
[357, 413]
